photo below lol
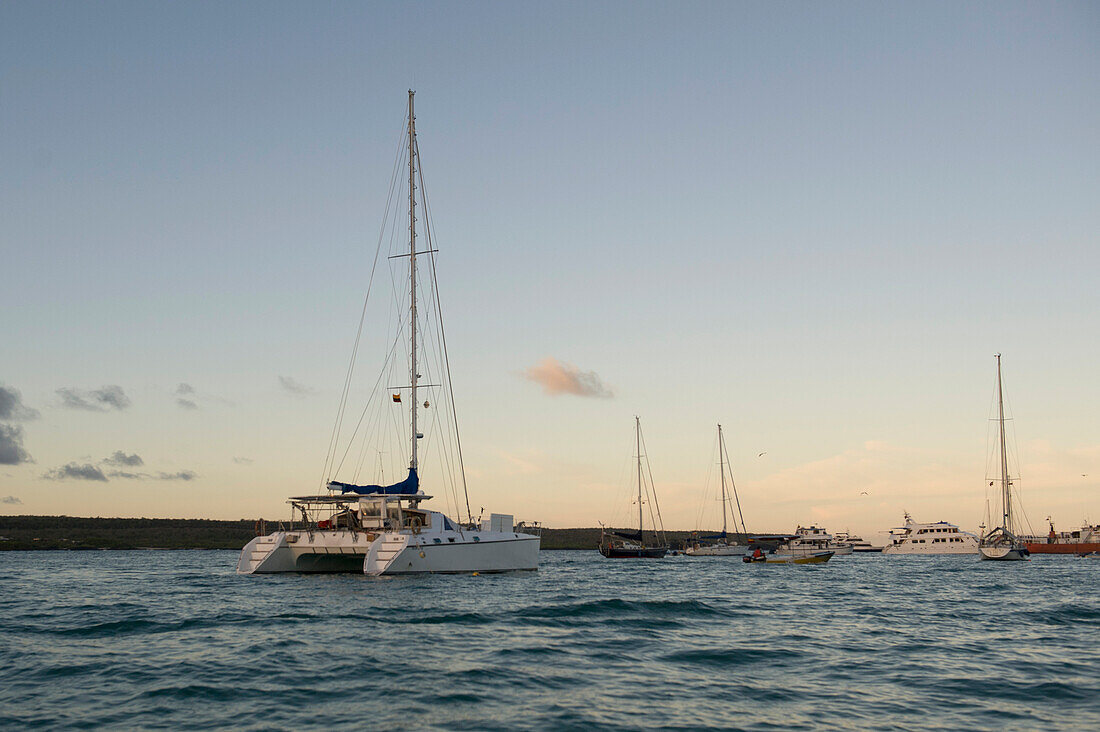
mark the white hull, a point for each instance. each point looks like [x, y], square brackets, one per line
[809, 551]
[808, 558]
[305, 551]
[1006, 553]
[723, 550]
[490, 552]
[389, 553]
[965, 547]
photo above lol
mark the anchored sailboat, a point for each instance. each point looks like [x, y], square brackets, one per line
[1002, 542]
[381, 529]
[629, 545]
[721, 545]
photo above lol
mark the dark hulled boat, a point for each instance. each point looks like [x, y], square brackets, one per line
[623, 545]
[631, 544]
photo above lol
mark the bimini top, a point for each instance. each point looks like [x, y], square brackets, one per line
[409, 486]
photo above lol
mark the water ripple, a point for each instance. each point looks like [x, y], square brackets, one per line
[176, 640]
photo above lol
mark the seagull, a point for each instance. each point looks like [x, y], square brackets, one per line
[759, 454]
[863, 493]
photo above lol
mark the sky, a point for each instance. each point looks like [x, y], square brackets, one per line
[815, 223]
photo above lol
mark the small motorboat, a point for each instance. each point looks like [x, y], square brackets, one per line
[814, 558]
[756, 556]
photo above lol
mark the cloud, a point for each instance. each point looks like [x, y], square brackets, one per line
[97, 400]
[242, 460]
[295, 387]
[121, 458]
[184, 396]
[11, 501]
[181, 475]
[565, 378]
[76, 471]
[519, 465]
[12, 407]
[11, 446]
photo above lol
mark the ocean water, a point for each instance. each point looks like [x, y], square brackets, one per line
[176, 640]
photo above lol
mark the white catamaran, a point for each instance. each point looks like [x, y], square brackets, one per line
[1003, 542]
[381, 529]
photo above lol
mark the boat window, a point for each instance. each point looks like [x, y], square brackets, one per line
[370, 513]
[451, 539]
[447, 525]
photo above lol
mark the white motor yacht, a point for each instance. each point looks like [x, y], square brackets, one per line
[858, 543]
[938, 538]
[809, 540]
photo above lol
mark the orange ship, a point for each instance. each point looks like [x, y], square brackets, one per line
[1080, 541]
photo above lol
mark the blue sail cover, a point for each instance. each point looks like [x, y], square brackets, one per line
[409, 486]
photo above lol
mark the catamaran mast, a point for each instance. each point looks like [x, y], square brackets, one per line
[412, 275]
[638, 441]
[1005, 492]
[722, 467]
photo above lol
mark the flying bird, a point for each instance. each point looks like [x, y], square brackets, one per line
[863, 493]
[762, 453]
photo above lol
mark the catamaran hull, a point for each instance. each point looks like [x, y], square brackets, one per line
[308, 552]
[378, 554]
[507, 553]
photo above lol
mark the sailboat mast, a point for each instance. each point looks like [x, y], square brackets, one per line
[412, 275]
[638, 446]
[1005, 492]
[722, 468]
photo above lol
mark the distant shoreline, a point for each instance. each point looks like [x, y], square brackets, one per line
[42, 533]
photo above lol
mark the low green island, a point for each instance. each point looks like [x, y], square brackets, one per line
[72, 532]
